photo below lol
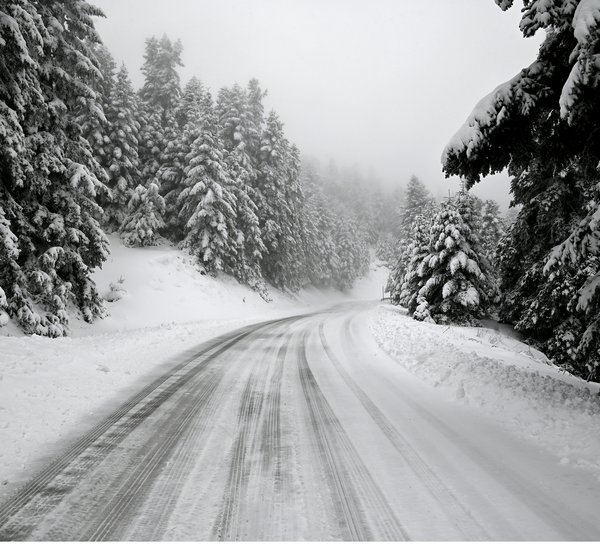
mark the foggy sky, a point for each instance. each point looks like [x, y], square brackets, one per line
[381, 83]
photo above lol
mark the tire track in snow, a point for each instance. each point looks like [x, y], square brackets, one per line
[20, 514]
[274, 456]
[460, 516]
[357, 498]
[179, 467]
[119, 511]
[227, 525]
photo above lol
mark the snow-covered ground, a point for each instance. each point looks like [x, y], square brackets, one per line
[488, 369]
[52, 390]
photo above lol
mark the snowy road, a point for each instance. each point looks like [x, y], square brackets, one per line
[300, 429]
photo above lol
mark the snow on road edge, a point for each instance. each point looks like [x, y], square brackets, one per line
[503, 378]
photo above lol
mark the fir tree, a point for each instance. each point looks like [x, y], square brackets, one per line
[96, 127]
[162, 88]
[50, 178]
[406, 291]
[123, 161]
[417, 202]
[144, 217]
[456, 287]
[193, 100]
[279, 187]
[206, 204]
[234, 122]
[160, 96]
[320, 249]
[491, 228]
[194, 109]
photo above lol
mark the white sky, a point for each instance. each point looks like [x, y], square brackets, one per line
[382, 83]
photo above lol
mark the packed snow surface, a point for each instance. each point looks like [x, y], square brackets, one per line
[304, 429]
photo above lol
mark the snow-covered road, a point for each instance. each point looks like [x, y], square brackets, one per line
[301, 429]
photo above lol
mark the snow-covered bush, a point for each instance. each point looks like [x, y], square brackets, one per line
[116, 291]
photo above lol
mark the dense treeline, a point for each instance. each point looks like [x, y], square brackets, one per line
[543, 126]
[82, 153]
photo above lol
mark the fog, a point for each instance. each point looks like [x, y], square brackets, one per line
[381, 84]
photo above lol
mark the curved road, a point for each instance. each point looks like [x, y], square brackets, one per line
[300, 429]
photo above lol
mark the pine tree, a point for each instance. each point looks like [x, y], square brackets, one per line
[96, 126]
[192, 101]
[406, 291]
[352, 252]
[457, 287]
[162, 88]
[234, 121]
[279, 187]
[491, 228]
[250, 247]
[417, 202]
[319, 246]
[194, 108]
[152, 141]
[50, 178]
[160, 96]
[206, 204]
[122, 149]
[143, 220]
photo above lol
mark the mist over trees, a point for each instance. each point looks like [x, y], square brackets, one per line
[83, 154]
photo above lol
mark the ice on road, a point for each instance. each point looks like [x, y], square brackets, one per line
[300, 429]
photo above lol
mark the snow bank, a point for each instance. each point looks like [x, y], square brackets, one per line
[55, 389]
[490, 370]
[163, 285]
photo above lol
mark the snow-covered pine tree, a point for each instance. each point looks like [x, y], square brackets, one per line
[206, 204]
[151, 142]
[417, 201]
[255, 120]
[405, 292]
[160, 96]
[192, 101]
[352, 251]
[122, 149]
[319, 248]
[543, 126]
[144, 218]
[162, 87]
[456, 286]
[491, 228]
[50, 178]
[250, 247]
[195, 107]
[9, 254]
[234, 121]
[96, 126]
[295, 275]
[281, 197]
